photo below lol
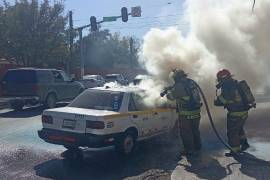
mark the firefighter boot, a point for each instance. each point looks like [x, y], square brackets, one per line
[244, 144]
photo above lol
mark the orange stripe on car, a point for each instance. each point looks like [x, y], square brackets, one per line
[150, 111]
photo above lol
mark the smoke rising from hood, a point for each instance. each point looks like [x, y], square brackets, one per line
[223, 34]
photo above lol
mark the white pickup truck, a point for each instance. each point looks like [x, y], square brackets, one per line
[105, 117]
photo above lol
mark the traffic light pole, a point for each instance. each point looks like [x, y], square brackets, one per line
[80, 29]
[136, 12]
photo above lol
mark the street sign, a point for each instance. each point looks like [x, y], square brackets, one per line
[110, 18]
[136, 11]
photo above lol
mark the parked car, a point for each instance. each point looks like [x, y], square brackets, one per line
[105, 117]
[119, 78]
[32, 86]
[90, 81]
[139, 78]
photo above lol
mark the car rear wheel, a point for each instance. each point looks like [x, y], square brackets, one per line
[73, 153]
[126, 144]
[17, 106]
[51, 101]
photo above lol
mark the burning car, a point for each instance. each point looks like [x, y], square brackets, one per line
[105, 117]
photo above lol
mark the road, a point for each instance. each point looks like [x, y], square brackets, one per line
[24, 156]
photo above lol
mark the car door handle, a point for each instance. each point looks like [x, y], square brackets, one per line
[134, 116]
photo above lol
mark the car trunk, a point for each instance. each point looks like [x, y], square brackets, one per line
[19, 83]
[73, 119]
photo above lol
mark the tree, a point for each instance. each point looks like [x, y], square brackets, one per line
[103, 49]
[34, 33]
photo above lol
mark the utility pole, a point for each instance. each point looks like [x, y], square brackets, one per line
[131, 51]
[135, 12]
[70, 42]
[81, 51]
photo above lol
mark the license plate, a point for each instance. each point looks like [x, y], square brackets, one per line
[70, 124]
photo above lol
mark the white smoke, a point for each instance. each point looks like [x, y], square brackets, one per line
[223, 34]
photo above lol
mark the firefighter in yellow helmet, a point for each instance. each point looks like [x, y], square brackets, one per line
[188, 102]
[230, 98]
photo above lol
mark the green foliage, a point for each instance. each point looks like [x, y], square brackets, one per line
[33, 33]
[103, 49]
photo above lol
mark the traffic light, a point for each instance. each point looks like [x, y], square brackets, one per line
[93, 22]
[124, 13]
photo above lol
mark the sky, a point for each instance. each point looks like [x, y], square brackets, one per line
[155, 13]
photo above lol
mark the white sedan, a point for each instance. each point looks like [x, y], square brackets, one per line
[106, 117]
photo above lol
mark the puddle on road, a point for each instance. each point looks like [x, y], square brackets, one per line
[260, 149]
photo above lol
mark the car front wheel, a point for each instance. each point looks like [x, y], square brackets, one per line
[126, 144]
[51, 101]
[17, 106]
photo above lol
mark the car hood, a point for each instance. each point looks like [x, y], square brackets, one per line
[79, 111]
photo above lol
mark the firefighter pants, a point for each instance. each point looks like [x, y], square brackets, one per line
[235, 130]
[190, 133]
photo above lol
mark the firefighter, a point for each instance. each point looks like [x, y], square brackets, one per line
[237, 114]
[188, 103]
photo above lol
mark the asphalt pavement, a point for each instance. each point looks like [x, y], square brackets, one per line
[24, 156]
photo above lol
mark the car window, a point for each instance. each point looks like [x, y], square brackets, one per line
[44, 76]
[131, 104]
[20, 76]
[65, 76]
[57, 76]
[138, 102]
[111, 78]
[100, 100]
[122, 77]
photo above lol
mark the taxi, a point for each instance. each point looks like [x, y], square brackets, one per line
[106, 117]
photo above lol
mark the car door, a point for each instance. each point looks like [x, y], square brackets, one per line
[142, 117]
[163, 118]
[60, 85]
[72, 87]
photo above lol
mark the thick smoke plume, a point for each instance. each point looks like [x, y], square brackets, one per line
[222, 34]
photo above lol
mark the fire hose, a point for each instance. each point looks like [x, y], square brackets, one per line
[220, 138]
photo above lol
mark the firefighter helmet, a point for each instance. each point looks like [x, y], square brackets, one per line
[223, 74]
[178, 74]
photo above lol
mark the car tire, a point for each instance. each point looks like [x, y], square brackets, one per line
[51, 101]
[126, 143]
[17, 106]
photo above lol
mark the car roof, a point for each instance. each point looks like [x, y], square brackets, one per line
[113, 74]
[119, 89]
[33, 69]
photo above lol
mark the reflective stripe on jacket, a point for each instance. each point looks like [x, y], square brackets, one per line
[190, 114]
[225, 101]
[242, 114]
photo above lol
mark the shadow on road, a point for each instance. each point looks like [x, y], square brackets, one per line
[250, 165]
[153, 160]
[26, 113]
[205, 167]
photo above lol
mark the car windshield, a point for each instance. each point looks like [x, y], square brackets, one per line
[90, 77]
[98, 99]
[20, 76]
[111, 77]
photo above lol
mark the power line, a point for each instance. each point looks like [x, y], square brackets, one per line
[147, 26]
